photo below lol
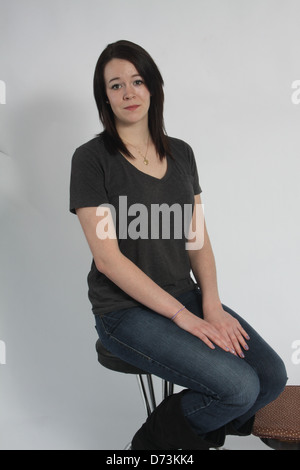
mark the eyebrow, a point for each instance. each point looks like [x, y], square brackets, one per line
[119, 78]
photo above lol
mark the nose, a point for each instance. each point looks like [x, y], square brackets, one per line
[128, 93]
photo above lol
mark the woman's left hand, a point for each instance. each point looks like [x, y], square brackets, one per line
[230, 328]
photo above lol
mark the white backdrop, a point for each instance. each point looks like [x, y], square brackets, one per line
[229, 68]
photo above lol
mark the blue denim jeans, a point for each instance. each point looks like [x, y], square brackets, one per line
[222, 388]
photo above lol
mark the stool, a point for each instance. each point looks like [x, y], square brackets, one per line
[144, 379]
[278, 423]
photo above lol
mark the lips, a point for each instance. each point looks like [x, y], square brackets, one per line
[132, 108]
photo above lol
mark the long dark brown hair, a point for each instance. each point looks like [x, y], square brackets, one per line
[148, 70]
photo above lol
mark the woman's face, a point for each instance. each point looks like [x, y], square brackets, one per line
[127, 93]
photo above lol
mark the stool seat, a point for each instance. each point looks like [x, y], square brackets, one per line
[108, 360]
[278, 423]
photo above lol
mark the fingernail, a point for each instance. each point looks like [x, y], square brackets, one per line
[246, 347]
[242, 355]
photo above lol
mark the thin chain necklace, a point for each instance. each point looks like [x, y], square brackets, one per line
[144, 157]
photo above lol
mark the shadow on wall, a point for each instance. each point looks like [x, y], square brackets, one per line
[47, 130]
[43, 270]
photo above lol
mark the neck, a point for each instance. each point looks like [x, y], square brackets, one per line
[135, 134]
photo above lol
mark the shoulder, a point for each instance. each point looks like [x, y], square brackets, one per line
[178, 144]
[181, 150]
[94, 146]
[92, 153]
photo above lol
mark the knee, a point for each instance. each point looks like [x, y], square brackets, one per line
[280, 376]
[274, 380]
[243, 392]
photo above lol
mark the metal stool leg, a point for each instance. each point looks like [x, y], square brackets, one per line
[171, 388]
[168, 389]
[148, 396]
[147, 392]
[151, 392]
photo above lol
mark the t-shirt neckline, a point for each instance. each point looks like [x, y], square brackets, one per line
[153, 178]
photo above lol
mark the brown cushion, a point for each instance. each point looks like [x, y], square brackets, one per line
[281, 418]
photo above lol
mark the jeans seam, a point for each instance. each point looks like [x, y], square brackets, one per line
[162, 366]
[196, 410]
[109, 331]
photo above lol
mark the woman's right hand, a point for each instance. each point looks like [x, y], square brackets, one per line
[202, 329]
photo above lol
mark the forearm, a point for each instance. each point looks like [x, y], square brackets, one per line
[204, 269]
[132, 280]
[139, 286]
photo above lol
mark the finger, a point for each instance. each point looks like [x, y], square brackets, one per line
[241, 335]
[238, 341]
[237, 337]
[230, 346]
[211, 337]
[205, 340]
[219, 340]
[243, 332]
[225, 341]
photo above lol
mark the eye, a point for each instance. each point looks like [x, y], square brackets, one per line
[116, 86]
[138, 82]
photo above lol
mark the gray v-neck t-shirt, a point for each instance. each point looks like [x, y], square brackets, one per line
[150, 215]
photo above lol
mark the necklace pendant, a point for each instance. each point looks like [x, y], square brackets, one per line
[146, 162]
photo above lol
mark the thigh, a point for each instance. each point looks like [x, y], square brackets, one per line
[266, 363]
[158, 346]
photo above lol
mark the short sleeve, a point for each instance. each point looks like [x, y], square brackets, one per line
[194, 171]
[87, 183]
